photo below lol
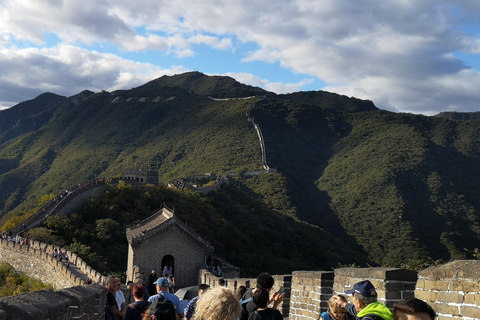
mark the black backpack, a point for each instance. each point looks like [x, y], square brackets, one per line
[162, 309]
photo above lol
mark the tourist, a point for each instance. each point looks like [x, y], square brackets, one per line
[121, 303]
[111, 308]
[162, 289]
[413, 309]
[264, 281]
[240, 292]
[152, 277]
[171, 284]
[364, 303]
[167, 271]
[261, 298]
[218, 304]
[335, 312]
[136, 309]
[190, 311]
[129, 294]
[217, 271]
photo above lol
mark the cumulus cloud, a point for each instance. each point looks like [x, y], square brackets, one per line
[398, 53]
[277, 87]
[68, 70]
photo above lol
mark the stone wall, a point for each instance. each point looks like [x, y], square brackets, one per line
[36, 262]
[452, 289]
[310, 291]
[80, 302]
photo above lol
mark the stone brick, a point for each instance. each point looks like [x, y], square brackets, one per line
[466, 286]
[472, 312]
[469, 299]
[436, 285]
[426, 295]
[420, 284]
[444, 308]
[449, 318]
[408, 294]
[449, 297]
[395, 286]
[393, 295]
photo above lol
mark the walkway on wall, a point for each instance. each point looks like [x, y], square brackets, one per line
[58, 203]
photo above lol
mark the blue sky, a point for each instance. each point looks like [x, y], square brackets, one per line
[418, 56]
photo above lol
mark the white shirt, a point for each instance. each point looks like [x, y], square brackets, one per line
[120, 299]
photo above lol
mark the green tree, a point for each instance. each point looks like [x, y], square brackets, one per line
[106, 228]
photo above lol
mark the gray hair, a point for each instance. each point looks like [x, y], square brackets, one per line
[365, 300]
[109, 279]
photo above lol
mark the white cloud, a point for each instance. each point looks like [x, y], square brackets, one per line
[277, 87]
[68, 70]
[398, 53]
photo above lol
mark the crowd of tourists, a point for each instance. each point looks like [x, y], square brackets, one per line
[257, 303]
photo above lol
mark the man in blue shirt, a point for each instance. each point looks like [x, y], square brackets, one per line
[192, 304]
[162, 289]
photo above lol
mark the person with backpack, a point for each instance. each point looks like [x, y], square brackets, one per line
[164, 305]
[364, 304]
[136, 310]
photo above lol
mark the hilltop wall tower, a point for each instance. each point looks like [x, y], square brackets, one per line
[140, 178]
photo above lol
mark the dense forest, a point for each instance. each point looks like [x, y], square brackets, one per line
[354, 184]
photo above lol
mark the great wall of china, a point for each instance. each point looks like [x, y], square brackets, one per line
[453, 289]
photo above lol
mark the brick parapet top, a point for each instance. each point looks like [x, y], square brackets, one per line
[458, 269]
[324, 275]
[377, 273]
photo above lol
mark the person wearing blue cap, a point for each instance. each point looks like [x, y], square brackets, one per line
[162, 289]
[364, 304]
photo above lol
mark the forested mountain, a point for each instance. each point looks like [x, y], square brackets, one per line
[393, 189]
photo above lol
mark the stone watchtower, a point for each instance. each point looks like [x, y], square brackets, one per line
[163, 239]
[140, 178]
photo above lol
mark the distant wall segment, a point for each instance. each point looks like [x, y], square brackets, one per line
[38, 263]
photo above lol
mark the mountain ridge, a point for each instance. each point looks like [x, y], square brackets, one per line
[342, 163]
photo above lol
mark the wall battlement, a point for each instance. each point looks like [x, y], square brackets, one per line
[453, 290]
[40, 264]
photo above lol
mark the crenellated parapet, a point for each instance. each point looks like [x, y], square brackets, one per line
[452, 289]
[37, 261]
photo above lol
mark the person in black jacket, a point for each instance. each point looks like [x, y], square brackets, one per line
[261, 298]
[137, 309]
[264, 281]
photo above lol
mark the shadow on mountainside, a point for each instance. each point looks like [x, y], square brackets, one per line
[299, 139]
[445, 195]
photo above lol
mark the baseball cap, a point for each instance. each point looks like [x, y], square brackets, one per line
[364, 288]
[162, 282]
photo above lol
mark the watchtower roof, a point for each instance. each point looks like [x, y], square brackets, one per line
[161, 221]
